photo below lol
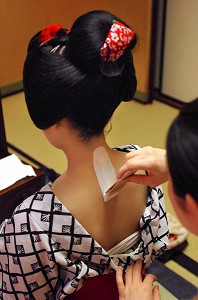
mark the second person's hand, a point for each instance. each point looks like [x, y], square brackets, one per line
[152, 161]
[133, 287]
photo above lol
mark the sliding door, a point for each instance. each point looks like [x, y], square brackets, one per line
[176, 51]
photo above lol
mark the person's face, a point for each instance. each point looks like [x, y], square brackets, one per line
[186, 209]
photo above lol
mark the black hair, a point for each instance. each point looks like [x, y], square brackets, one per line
[182, 151]
[72, 82]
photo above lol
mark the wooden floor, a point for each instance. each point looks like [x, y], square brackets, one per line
[132, 123]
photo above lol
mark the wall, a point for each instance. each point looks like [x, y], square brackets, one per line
[180, 65]
[20, 19]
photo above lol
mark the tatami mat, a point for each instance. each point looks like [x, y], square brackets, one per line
[132, 123]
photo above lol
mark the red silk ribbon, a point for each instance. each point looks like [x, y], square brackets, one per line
[116, 42]
[49, 32]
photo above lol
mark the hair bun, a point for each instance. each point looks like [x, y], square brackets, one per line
[88, 35]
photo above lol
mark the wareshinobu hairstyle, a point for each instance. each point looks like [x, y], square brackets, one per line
[182, 151]
[73, 82]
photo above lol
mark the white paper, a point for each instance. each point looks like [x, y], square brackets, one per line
[12, 170]
[106, 174]
[105, 171]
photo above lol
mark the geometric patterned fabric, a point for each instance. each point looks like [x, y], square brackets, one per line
[45, 253]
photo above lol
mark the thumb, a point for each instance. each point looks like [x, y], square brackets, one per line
[156, 293]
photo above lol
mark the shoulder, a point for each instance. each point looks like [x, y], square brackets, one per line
[39, 201]
[23, 212]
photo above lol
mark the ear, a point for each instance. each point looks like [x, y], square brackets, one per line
[63, 123]
[52, 129]
[57, 126]
[191, 208]
[191, 204]
[54, 126]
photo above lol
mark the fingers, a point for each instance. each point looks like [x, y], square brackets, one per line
[136, 160]
[144, 152]
[124, 169]
[119, 280]
[156, 293]
[132, 275]
[148, 159]
[134, 287]
[137, 274]
[141, 179]
[149, 279]
[133, 164]
[129, 275]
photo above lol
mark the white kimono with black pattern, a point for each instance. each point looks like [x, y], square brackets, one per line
[45, 253]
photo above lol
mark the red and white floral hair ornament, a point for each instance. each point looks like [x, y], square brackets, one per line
[116, 42]
[49, 33]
